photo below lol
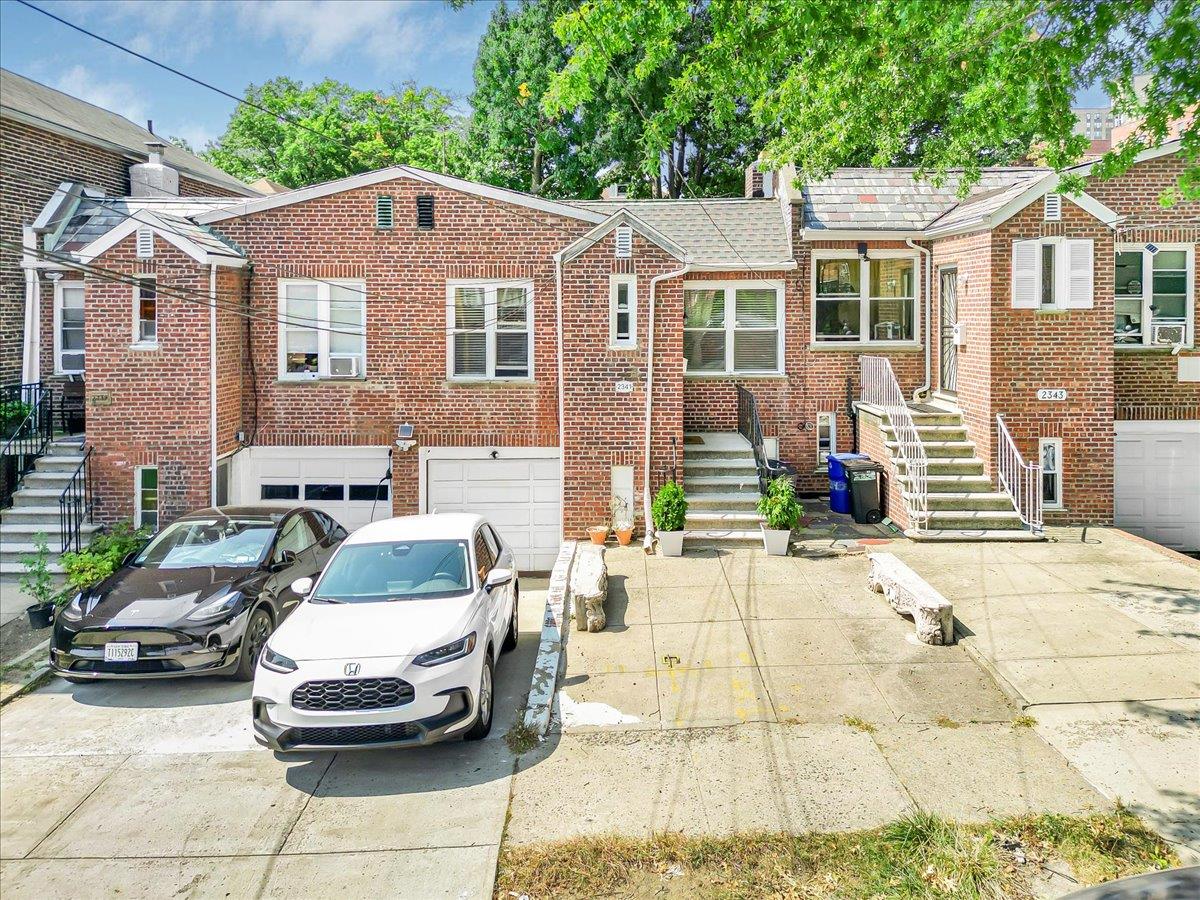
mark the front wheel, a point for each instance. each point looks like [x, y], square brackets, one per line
[483, 718]
[258, 629]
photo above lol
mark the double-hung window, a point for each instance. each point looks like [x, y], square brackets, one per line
[1050, 456]
[68, 328]
[865, 300]
[1155, 286]
[733, 328]
[145, 497]
[145, 310]
[322, 329]
[490, 329]
[622, 311]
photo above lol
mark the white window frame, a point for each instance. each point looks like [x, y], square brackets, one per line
[490, 288]
[864, 338]
[138, 340]
[322, 326]
[1058, 444]
[59, 287]
[137, 497]
[831, 418]
[730, 288]
[1062, 274]
[1148, 292]
[629, 342]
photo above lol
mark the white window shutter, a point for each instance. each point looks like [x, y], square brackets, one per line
[1078, 294]
[1025, 274]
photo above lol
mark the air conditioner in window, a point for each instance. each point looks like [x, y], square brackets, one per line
[1168, 333]
[343, 367]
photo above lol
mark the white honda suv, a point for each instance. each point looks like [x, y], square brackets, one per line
[396, 643]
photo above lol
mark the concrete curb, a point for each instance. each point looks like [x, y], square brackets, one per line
[34, 678]
[554, 640]
[965, 640]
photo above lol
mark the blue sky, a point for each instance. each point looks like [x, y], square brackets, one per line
[231, 43]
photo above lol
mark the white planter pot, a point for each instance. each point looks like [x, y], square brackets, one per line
[670, 543]
[776, 541]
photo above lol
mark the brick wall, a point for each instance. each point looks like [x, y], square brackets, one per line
[871, 442]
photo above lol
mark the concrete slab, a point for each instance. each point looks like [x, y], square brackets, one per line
[384, 800]
[780, 601]
[613, 699]
[895, 640]
[684, 571]
[613, 650]
[922, 692]
[233, 803]
[754, 567]
[228, 877]
[626, 606]
[975, 772]
[710, 603]
[825, 694]
[702, 645]
[457, 873]
[627, 564]
[696, 698]
[37, 793]
[1104, 678]
[799, 642]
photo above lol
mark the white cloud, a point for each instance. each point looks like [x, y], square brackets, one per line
[120, 97]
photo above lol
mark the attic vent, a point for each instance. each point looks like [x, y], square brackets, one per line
[384, 217]
[425, 213]
[145, 243]
[1052, 212]
[624, 242]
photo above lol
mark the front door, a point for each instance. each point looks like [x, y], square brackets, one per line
[949, 353]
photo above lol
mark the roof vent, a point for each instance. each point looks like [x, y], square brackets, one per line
[624, 248]
[145, 243]
[1052, 211]
[153, 178]
[384, 212]
[425, 212]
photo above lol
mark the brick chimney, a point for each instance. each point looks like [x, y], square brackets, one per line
[153, 178]
[759, 182]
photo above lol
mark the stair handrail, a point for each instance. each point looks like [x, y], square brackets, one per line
[879, 388]
[28, 440]
[750, 427]
[1021, 480]
[75, 504]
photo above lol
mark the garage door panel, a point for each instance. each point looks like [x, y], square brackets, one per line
[1157, 481]
[505, 492]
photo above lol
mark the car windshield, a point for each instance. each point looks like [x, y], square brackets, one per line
[400, 570]
[196, 543]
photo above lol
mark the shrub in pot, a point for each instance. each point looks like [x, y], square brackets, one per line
[38, 583]
[669, 512]
[781, 511]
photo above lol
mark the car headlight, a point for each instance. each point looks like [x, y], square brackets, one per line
[216, 609]
[73, 611]
[456, 650]
[277, 662]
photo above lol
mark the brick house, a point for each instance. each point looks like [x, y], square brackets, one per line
[404, 341]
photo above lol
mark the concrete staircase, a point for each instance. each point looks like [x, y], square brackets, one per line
[964, 505]
[35, 507]
[721, 484]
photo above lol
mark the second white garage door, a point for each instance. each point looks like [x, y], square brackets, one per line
[519, 491]
[1157, 475]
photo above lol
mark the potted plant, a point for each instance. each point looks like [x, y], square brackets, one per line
[598, 533]
[38, 583]
[622, 521]
[669, 512]
[781, 511]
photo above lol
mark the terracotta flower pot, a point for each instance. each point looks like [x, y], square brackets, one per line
[598, 533]
[624, 535]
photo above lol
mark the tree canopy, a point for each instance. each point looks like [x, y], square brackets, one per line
[330, 130]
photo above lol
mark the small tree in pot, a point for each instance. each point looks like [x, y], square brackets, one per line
[38, 583]
[781, 510]
[669, 512]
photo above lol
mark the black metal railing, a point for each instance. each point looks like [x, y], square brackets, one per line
[75, 504]
[27, 412]
[750, 427]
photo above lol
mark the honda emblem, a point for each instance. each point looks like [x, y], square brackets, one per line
[352, 668]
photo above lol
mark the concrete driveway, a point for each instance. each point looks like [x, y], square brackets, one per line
[158, 788]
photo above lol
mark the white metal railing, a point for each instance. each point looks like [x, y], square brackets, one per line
[880, 388]
[1021, 480]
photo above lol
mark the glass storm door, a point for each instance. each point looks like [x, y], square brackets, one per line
[949, 317]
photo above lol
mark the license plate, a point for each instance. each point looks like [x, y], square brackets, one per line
[121, 651]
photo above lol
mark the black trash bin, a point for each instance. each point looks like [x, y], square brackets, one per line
[865, 480]
[777, 468]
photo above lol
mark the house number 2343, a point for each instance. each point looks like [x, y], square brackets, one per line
[1052, 394]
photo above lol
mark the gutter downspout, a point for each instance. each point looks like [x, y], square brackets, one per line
[928, 322]
[648, 540]
[562, 432]
[31, 351]
[212, 382]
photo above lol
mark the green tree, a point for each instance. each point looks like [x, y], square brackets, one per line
[331, 130]
[940, 83]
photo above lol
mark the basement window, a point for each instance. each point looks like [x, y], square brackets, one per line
[145, 310]
[1050, 454]
[145, 497]
[322, 329]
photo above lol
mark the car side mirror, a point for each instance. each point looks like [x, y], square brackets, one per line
[286, 558]
[497, 578]
[302, 586]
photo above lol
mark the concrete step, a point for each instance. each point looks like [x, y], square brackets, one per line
[24, 531]
[733, 502]
[734, 537]
[32, 513]
[954, 483]
[68, 447]
[718, 467]
[938, 449]
[46, 480]
[714, 520]
[933, 432]
[954, 466]
[16, 568]
[65, 463]
[36, 497]
[690, 453]
[716, 484]
[714, 440]
[966, 519]
[983, 534]
[968, 500]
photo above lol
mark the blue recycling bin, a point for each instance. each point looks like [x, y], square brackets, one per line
[839, 487]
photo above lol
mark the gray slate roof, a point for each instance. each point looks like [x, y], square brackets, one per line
[44, 107]
[94, 217]
[734, 233]
[886, 199]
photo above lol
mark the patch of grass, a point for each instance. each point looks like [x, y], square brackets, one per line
[1024, 721]
[919, 856]
[521, 738]
[946, 722]
[859, 724]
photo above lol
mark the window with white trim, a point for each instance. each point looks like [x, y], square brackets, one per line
[865, 301]
[1154, 293]
[490, 329]
[733, 328]
[145, 497]
[68, 328]
[1052, 273]
[145, 309]
[826, 437]
[622, 311]
[322, 329]
[1050, 456]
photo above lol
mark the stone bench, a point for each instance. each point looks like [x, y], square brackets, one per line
[589, 588]
[910, 594]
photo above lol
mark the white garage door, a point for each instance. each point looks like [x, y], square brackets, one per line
[1158, 482]
[342, 481]
[519, 492]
